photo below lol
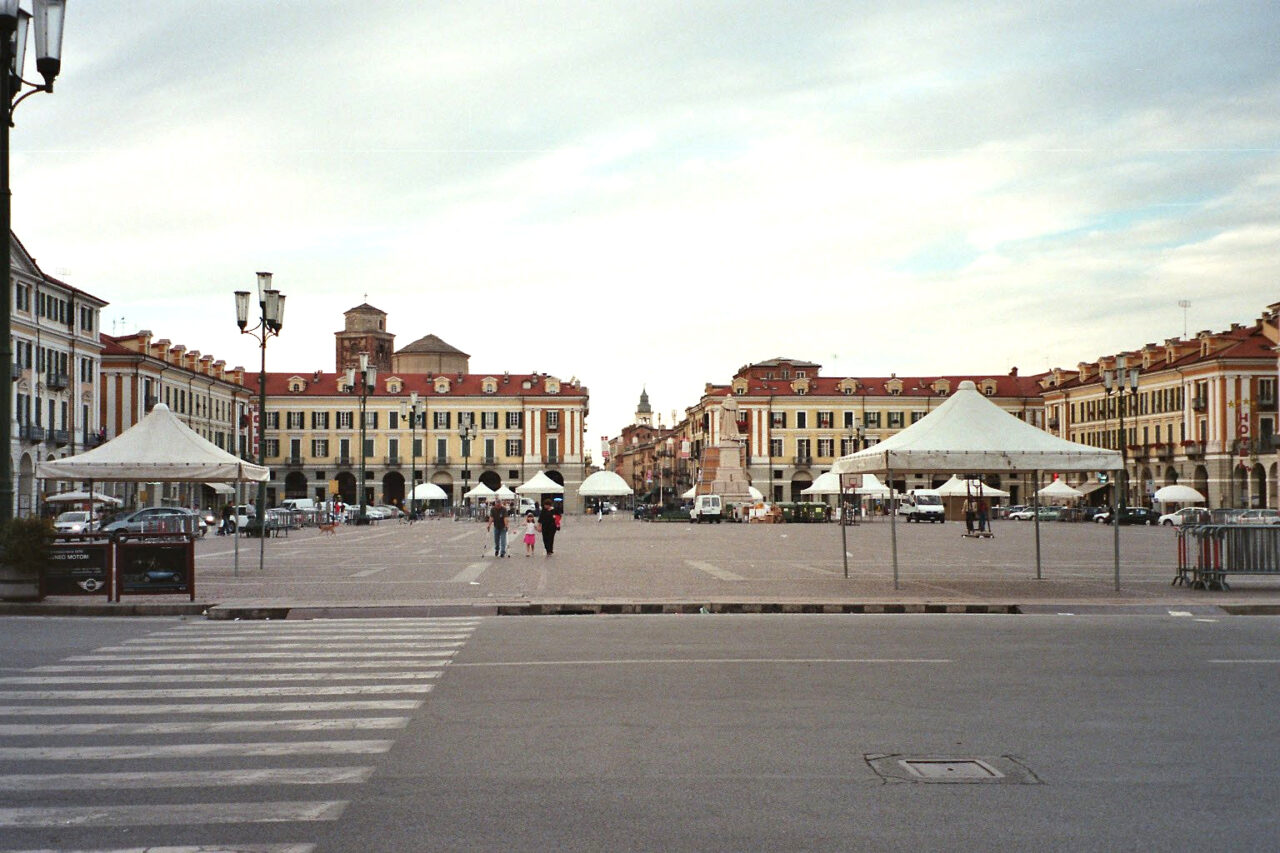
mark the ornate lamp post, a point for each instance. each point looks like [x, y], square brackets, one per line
[410, 410]
[467, 432]
[368, 381]
[48, 15]
[271, 308]
[1120, 380]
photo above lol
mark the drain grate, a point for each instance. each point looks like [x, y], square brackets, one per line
[1004, 769]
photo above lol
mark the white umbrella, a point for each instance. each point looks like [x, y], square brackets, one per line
[1178, 494]
[693, 491]
[1060, 490]
[428, 492]
[538, 484]
[603, 484]
[82, 495]
[479, 490]
[756, 494]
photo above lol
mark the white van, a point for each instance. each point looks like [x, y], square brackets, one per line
[301, 504]
[923, 505]
[706, 508]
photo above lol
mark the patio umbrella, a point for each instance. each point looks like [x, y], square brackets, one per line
[693, 491]
[1178, 494]
[428, 492]
[81, 495]
[756, 494]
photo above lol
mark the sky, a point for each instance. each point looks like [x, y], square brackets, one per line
[651, 195]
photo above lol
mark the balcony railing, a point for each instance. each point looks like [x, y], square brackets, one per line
[489, 460]
[345, 462]
[802, 460]
[31, 432]
[59, 437]
[554, 459]
[394, 461]
[440, 461]
[56, 381]
[1199, 403]
[293, 461]
[1193, 448]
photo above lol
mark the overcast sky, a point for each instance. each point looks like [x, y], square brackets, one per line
[654, 194]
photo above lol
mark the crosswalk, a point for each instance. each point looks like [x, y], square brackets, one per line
[209, 726]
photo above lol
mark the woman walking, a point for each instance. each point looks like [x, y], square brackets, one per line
[547, 525]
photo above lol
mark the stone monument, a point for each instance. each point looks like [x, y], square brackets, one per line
[722, 470]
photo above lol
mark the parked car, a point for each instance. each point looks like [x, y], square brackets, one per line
[1259, 516]
[1091, 513]
[1047, 513]
[167, 518]
[1187, 515]
[1132, 515]
[1007, 511]
[75, 521]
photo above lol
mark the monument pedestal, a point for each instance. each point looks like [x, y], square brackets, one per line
[723, 475]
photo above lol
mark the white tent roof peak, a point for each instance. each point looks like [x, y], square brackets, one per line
[158, 448]
[970, 433]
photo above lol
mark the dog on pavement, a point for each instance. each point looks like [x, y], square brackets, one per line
[330, 528]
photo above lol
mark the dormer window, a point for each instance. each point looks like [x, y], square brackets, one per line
[552, 385]
[297, 385]
[442, 385]
[489, 385]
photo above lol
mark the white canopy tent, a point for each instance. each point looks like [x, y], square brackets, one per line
[80, 495]
[827, 483]
[504, 492]
[479, 490]
[158, 448]
[539, 484]
[429, 492]
[958, 488]
[970, 433]
[1058, 490]
[601, 484]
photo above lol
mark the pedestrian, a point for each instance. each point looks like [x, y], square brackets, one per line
[530, 533]
[498, 524]
[968, 514]
[983, 521]
[547, 525]
[224, 528]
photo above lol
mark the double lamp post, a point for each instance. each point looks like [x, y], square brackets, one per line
[270, 322]
[368, 376]
[48, 16]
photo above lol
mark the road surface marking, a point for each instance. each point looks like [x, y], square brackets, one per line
[213, 692]
[127, 654]
[190, 678]
[368, 572]
[713, 570]
[203, 728]
[185, 779]
[193, 750]
[301, 645]
[274, 666]
[170, 815]
[700, 661]
[470, 573]
[1248, 660]
[211, 708]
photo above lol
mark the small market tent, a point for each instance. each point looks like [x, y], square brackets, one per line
[958, 488]
[970, 433]
[158, 448]
[479, 490]
[428, 492]
[538, 484]
[826, 484]
[603, 484]
[1058, 490]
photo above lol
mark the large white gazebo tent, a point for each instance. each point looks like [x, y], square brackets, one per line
[971, 434]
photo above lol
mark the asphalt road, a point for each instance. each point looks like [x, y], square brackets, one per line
[748, 732]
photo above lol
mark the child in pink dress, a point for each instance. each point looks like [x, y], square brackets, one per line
[530, 533]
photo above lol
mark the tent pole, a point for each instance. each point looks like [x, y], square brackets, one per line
[844, 535]
[1035, 510]
[1115, 523]
[893, 530]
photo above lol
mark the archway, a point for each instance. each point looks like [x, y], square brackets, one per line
[444, 481]
[492, 480]
[800, 481]
[393, 488]
[1240, 481]
[1147, 486]
[347, 487]
[1200, 481]
[1272, 480]
[1170, 476]
[295, 485]
[1259, 493]
[26, 485]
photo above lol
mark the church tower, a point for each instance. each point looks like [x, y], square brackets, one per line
[365, 331]
[644, 412]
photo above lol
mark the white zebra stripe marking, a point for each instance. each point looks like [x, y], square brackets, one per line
[210, 708]
[248, 665]
[204, 728]
[202, 848]
[171, 815]
[193, 750]
[220, 677]
[212, 692]
[130, 654]
[185, 779]
[713, 570]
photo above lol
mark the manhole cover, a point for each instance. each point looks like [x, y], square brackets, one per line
[937, 769]
[1004, 769]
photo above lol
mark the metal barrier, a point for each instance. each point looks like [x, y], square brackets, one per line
[1207, 553]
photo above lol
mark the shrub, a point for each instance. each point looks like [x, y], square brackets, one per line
[26, 542]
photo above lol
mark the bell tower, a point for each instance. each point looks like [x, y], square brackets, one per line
[644, 412]
[365, 330]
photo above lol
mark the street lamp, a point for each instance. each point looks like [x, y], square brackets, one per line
[368, 381]
[410, 410]
[271, 308]
[1119, 380]
[48, 17]
[671, 462]
[467, 432]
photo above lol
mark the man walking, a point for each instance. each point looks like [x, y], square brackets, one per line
[547, 526]
[498, 524]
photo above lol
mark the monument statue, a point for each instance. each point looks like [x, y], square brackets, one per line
[729, 419]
